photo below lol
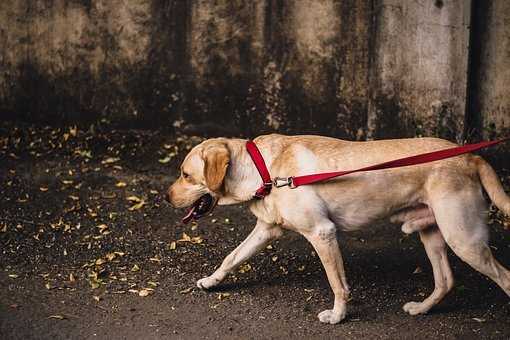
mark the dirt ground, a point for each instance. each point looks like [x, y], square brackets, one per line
[88, 249]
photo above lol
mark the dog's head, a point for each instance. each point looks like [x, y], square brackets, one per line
[202, 176]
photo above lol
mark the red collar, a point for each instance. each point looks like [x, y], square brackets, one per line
[267, 182]
[258, 160]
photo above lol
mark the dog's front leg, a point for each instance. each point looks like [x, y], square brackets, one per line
[323, 238]
[260, 236]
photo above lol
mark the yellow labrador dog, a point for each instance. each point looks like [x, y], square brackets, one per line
[441, 200]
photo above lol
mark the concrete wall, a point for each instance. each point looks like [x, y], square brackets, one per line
[490, 98]
[420, 68]
[350, 68]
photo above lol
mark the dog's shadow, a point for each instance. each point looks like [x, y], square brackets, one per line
[236, 286]
[251, 284]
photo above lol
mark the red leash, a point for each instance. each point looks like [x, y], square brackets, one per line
[296, 181]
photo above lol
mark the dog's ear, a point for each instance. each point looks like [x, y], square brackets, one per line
[216, 160]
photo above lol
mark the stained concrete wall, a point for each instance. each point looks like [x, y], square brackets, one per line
[77, 60]
[420, 68]
[489, 101]
[350, 68]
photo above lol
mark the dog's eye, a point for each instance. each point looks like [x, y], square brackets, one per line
[185, 175]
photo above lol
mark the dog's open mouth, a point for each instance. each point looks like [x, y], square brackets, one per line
[202, 206]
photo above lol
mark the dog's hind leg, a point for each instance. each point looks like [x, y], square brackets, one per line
[435, 247]
[460, 218]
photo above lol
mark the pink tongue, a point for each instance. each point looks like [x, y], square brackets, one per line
[189, 215]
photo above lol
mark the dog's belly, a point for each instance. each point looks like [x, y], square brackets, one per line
[353, 222]
[357, 220]
[359, 203]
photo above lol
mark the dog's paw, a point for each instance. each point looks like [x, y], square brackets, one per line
[415, 308]
[207, 282]
[332, 316]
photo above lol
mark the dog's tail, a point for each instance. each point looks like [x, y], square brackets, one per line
[492, 185]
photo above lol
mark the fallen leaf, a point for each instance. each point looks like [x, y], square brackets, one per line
[173, 245]
[133, 199]
[223, 296]
[110, 256]
[145, 292]
[121, 184]
[23, 200]
[100, 262]
[244, 268]
[479, 320]
[186, 291]
[110, 160]
[185, 238]
[135, 268]
[84, 153]
[43, 189]
[102, 228]
[194, 240]
[94, 284]
[58, 317]
[13, 276]
[137, 206]
[165, 159]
